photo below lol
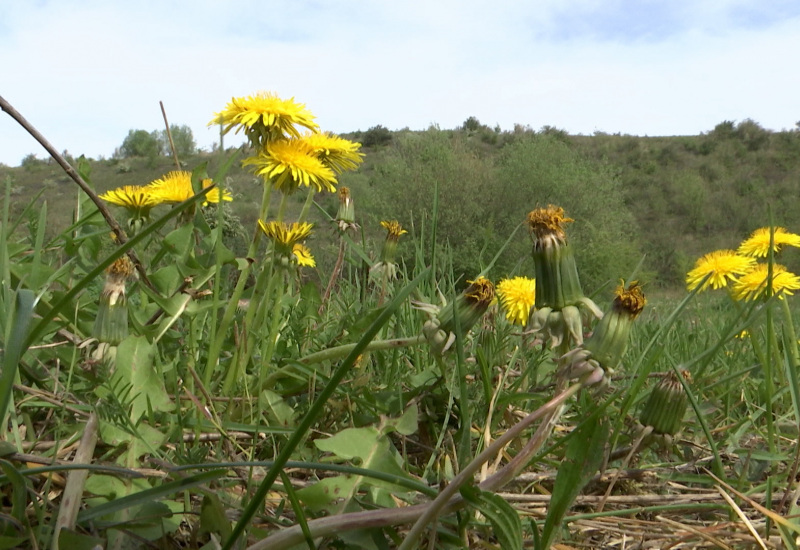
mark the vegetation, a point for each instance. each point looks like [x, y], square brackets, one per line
[191, 382]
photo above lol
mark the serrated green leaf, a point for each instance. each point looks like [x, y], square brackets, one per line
[135, 368]
[583, 457]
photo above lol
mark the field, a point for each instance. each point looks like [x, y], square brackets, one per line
[180, 374]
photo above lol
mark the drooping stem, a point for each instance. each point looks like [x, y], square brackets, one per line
[448, 500]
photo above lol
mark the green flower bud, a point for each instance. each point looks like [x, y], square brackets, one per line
[666, 405]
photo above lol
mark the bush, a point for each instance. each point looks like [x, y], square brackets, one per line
[141, 143]
[376, 136]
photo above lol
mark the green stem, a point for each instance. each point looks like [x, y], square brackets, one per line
[307, 205]
[227, 318]
[377, 345]
[266, 358]
[315, 410]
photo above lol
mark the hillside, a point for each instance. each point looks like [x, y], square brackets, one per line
[668, 199]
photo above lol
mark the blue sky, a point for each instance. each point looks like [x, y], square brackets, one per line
[86, 72]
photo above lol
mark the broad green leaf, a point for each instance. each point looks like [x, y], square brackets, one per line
[276, 408]
[408, 423]
[326, 494]
[76, 541]
[213, 518]
[135, 367]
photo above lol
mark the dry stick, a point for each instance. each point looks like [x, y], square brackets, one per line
[443, 503]
[101, 206]
[76, 480]
[169, 136]
[334, 275]
[634, 449]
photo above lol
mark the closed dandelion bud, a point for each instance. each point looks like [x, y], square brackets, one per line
[666, 405]
[111, 324]
[604, 350]
[469, 307]
[558, 287]
[393, 232]
[610, 338]
[345, 216]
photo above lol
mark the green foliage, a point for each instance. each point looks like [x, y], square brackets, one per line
[141, 143]
[182, 138]
[376, 136]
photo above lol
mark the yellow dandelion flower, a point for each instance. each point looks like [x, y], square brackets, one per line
[757, 245]
[291, 163]
[136, 199]
[264, 117]
[394, 229]
[303, 255]
[336, 153]
[753, 284]
[286, 234]
[176, 187]
[517, 297]
[719, 266]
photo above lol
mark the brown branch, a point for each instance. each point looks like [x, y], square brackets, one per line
[169, 136]
[72, 173]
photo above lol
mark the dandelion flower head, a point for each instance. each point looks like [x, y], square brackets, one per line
[517, 297]
[394, 229]
[753, 284]
[336, 153]
[133, 197]
[757, 245]
[548, 223]
[176, 187]
[720, 267]
[630, 299]
[303, 255]
[265, 116]
[291, 163]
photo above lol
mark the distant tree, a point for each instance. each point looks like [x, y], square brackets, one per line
[141, 143]
[752, 134]
[183, 139]
[376, 136]
[472, 124]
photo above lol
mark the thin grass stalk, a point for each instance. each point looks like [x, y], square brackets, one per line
[314, 411]
[337, 269]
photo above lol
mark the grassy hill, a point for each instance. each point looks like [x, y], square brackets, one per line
[667, 199]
